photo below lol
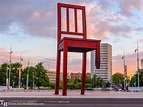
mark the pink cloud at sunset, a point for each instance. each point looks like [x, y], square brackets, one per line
[3, 55]
[130, 61]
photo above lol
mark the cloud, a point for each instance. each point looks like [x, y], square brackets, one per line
[140, 40]
[139, 29]
[105, 4]
[35, 17]
[107, 19]
[3, 55]
[127, 7]
[38, 17]
[104, 29]
[15, 57]
[102, 23]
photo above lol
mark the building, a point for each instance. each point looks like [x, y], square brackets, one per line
[52, 76]
[78, 75]
[105, 71]
[141, 63]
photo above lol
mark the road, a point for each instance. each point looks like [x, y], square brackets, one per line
[71, 102]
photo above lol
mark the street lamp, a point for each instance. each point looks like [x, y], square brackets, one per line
[19, 78]
[7, 76]
[137, 50]
[125, 71]
[27, 77]
[33, 80]
[9, 67]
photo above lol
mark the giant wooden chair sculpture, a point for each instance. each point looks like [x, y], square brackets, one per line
[68, 44]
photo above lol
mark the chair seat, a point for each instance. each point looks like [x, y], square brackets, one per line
[78, 44]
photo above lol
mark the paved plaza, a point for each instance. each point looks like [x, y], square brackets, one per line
[70, 94]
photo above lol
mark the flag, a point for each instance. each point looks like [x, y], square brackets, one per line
[21, 59]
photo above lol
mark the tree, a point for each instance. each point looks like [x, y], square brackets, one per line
[76, 80]
[118, 79]
[94, 81]
[41, 76]
[14, 74]
[23, 77]
[133, 81]
[61, 84]
[31, 76]
[3, 72]
[70, 85]
[88, 80]
[141, 77]
[77, 83]
[98, 82]
[52, 85]
[108, 84]
[37, 73]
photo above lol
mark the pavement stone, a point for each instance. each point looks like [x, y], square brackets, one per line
[70, 94]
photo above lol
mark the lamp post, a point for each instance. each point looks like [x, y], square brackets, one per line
[7, 79]
[9, 67]
[19, 78]
[33, 79]
[125, 70]
[27, 79]
[137, 50]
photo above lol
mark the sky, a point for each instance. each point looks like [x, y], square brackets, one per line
[29, 27]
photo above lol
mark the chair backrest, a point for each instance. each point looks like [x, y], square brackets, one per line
[67, 31]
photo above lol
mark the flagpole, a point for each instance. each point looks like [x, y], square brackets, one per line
[33, 80]
[125, 71]
[27, 81]
[9, 67]
[138, 65]
[19, 79]
[7, 79]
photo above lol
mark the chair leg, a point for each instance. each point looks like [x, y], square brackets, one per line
[58, 72]
[65, 71]
[83, 73]
[97, 57]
